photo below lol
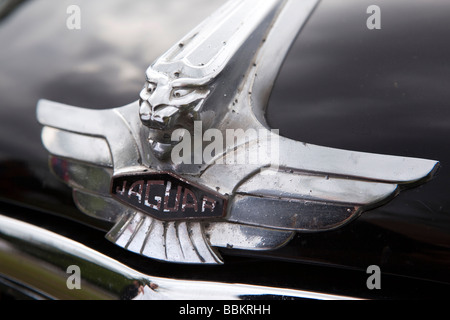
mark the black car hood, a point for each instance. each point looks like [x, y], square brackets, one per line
[382, 91]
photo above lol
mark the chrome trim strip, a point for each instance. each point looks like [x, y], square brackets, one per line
[39, 258]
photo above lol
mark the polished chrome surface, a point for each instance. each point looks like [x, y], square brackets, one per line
[189, 82]
[64, 143]
[183, 242]
[221, 77]
[38, 259]
[244, 237]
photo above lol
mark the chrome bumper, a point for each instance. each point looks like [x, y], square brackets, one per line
[38, 260]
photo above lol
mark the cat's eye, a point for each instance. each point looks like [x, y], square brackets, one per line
[150, 86]
[181, 92]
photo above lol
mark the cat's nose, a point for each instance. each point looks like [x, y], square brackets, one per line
[145, 111]
[156, 103]
[156, 95]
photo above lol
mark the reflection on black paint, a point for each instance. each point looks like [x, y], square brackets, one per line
[7, 7]
[100, 66]
[384, 91]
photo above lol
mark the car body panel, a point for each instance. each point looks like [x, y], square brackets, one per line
[344, 86]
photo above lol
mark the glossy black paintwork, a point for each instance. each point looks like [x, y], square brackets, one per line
[383, 91]
[100, 66]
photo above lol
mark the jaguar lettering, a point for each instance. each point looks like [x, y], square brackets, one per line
[167, 197]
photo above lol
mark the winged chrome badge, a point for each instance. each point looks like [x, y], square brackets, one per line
[120, 161]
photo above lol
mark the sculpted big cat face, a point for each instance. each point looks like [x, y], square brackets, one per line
[167, 104]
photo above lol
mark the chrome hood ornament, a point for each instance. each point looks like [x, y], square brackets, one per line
[120, 162]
